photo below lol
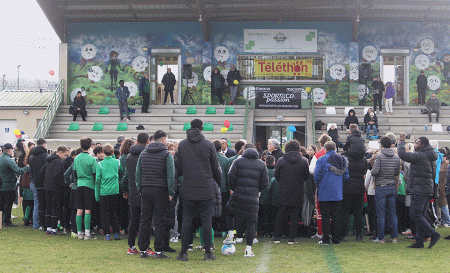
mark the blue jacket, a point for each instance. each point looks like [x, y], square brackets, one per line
[329, 176]
[122, 96]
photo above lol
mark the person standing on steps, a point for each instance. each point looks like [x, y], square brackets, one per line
[122, 95]
[217, 85]
[233, 75]
[144, 92]
[377, 91]
[422, 83]
[169, 82]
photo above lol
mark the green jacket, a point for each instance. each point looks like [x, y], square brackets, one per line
[69, 178]
[401, 188]
[225, 166]
[27, 194]
[273, 191]
[265, 198]
[107, 177]
[170, 166]
[433, 105]
[85, 167]
[9, 172]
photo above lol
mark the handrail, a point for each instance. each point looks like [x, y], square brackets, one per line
[50, 112]
[247, 101]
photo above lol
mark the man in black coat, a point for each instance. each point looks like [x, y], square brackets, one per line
[233, 75]
[169, 82]
[79, 106]
[420, 185]
[36, 161]
[130, 192]
[422, 83]
[378, 89]
[198, 164]
[353, 196]
[53, 171]
[355, 145]
[291, 172]
[274, 148]
[225, 150]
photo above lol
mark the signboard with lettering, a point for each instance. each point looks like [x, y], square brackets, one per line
[280, 40]
[283, 68]
[278, 97]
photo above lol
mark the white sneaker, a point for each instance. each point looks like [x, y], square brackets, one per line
[239, 240]
[13, 217]
[317, 236]
[446, 225]
[14, 207]
[255, 241]
[378, 241]
[198, 247]
[174, 239]
[229, 241]
[249, 253]
[80, 237]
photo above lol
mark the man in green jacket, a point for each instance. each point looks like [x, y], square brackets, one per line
[8, 174]
[433, 105]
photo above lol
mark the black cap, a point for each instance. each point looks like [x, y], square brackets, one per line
[7, 146]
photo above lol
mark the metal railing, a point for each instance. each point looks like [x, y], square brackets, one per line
[50, 113]
[247, 102]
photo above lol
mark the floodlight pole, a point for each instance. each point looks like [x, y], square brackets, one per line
[18, 77]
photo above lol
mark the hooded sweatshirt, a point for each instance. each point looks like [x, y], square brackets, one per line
[54, 173]
[386, 167]
[390, 92]
[351, 119]
[291, 172]
[36, 161]
[329, 176]
[199, 167]
[129, 177]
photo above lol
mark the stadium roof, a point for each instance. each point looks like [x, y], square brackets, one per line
[59, 12]
[25, 98]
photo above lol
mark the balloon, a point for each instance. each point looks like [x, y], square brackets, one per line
[308, 89]
[18, 136]
[292, 128]
[22, 132]
[52, 72]
[236, 82]
[226, 124]
[16, 132]
[224, 129]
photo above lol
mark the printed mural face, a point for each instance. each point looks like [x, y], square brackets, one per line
[354, 71]
[427, 46]
[221, 54]
[434, 83]
[363, 91]
[422, 62]
[132, 87]
[192, 81]
[319, 95]
[337, 72]
[370, 53]
[207, 74]
[74, 93]
[88, 51]
[139, 64]
[95, 73]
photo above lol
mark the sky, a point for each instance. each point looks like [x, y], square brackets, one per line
[27, 39]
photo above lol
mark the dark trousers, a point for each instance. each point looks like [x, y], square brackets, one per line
[433, 111]
[402, 214]
[168, 92]
[282, 219]
[123, 107]
[6, 202]
[109, 206]
[133, 226]
[42, 207]
[266, 217]
[145, 102]
[352, 204]
[218, 92]
[243, 223]
[330, 210]
[377, 99]
[418, 212]
[124, 213]
[73, 210]
[66, 210]
[53, 208]
[82, 112]
[191, 208]
[372, 213]
[421, 93]
[223, 217]
[154, 204]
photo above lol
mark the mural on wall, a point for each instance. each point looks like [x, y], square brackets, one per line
[101, 56]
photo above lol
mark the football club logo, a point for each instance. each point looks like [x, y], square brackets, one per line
[280, 38]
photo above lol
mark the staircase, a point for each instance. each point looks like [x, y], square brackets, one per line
[405, 119]
[170, 118]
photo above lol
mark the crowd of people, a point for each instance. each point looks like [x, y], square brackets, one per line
[167, 189]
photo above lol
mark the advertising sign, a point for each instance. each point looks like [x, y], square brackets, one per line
[278, 97]
[283, 68]
[280, 40]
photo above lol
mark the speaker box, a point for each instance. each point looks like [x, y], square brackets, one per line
[187, 71]
[365, 71]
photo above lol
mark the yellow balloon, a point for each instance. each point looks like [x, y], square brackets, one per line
[236, 82]
[224, 129]
[308, 89]
[16, 132]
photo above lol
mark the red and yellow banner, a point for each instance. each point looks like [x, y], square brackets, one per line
[284, 68]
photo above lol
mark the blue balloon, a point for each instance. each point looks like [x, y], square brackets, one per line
[292, 128]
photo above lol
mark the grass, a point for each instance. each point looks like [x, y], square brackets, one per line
[26, 249]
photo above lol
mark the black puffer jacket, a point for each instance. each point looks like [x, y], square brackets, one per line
[198, 164]
[247, 177]
[355, 145]
[37, 160]
[351, 119]
[357, 169]
[53, 172]
[278, 153]
[291, 172]
[422, 170]
[154, 165]
[134, 198]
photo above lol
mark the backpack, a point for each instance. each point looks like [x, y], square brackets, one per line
[318, 125]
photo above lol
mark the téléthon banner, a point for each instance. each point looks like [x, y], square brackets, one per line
[280, 40]
[278, 97]
[283, 68]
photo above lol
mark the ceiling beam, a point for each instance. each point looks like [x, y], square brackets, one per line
[55, 18]
[204, 19]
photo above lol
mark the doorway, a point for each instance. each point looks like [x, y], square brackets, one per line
[7, 127]
[394, 68]
[280, 132]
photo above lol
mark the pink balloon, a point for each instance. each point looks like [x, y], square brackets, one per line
[226, 123]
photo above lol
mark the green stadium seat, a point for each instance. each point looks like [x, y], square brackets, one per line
[103, 111]
[186, 126]
[122, 126]
[229, 110]
[74, 126]
[98, 127]
[211, 110]
[191, 110]
[207, 127]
